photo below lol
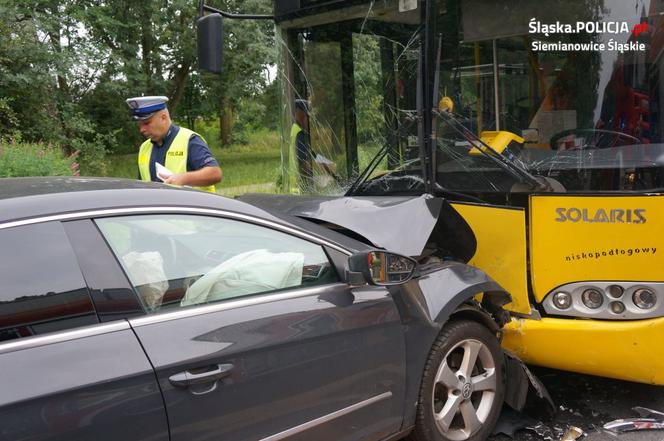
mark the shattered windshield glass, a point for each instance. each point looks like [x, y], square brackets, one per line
[559, 111]
[586, 120]
[350, 97]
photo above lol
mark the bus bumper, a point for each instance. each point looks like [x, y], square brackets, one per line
[626, 350]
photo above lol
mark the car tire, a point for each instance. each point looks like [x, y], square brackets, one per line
[462, 387]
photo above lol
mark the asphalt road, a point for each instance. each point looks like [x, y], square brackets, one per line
[589, 402]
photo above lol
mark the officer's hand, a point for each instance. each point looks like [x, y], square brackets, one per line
[176, 179]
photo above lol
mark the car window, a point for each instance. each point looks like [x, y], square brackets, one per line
[182, 260]
[43, 289]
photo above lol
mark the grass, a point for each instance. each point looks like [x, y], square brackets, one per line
[251, 167]
[32, 159]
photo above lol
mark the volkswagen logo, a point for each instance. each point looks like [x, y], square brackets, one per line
[466, 390]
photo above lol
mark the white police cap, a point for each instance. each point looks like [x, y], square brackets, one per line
[303, 105]
[143, 107]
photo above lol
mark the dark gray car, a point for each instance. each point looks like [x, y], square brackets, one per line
[135, 311]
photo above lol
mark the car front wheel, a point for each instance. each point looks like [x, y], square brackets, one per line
[462, 388]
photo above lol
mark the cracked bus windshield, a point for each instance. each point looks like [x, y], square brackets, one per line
[350, 96]
[578, 121]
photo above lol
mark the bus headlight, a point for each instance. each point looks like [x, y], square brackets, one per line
[615, 291]
[617, 307]
[562, 300]
[592, 298]
[644, 298]
[606, 300]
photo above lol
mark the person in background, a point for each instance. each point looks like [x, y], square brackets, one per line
[300, 157]
[172, 154]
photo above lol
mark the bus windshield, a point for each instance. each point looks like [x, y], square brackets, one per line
[582, 101]
[585, 103]
[350, 81]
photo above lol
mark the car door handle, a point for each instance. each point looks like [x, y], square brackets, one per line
[187, 378]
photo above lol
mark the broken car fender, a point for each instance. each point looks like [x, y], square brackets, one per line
[426, 303]
[460, 283]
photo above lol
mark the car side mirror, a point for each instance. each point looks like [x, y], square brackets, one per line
[210, 41]
[381, 268]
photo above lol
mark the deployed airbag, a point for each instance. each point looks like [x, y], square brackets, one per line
[246, 273]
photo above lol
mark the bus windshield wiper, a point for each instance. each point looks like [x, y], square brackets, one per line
[510, 166]
[367, 171]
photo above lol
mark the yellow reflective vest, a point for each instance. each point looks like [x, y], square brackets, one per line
[176, 156]
[293, 166]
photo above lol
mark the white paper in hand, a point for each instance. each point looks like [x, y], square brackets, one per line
[162, 172]
[322, 160]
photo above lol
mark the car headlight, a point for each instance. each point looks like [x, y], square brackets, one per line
[644, 298]
[562, 300]
[592, 298]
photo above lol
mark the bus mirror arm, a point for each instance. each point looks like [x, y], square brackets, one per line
[203, 8]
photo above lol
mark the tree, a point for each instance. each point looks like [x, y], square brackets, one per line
[67, 66]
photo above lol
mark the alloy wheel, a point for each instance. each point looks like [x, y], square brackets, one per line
[464, 390]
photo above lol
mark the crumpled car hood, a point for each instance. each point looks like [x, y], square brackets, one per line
[401, 224]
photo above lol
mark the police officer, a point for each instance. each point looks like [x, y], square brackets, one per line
[184, 154]
[300, 157]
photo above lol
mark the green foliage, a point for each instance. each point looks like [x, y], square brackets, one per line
[8, 119]
[79, 135]
[122, 166]
[270, 101]
[209, 130]
[257, 113]
[92, 155]
[253, 167]
[67, 66]
[325, 92]
[368, 89]
[105, 106]
[250, 114]
[27, 159]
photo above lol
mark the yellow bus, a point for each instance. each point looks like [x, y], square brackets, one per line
[542, 125]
